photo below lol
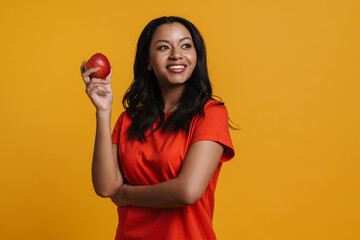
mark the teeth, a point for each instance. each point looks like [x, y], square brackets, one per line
[176, 67]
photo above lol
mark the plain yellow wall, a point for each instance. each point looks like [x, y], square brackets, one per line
[288, 72]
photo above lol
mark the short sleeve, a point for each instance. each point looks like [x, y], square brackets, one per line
[214, 126]
[116, 130]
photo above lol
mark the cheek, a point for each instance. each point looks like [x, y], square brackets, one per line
[194, 58]
[194, 61]
[156, 62]
[153, 58]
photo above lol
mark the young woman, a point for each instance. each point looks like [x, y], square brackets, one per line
[161, 163]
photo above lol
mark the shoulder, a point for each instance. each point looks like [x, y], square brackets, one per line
[213, 115]
[121, 116]
[124, 118]
[213, 107]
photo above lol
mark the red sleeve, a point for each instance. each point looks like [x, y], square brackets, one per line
[214, 126]
[116, 131]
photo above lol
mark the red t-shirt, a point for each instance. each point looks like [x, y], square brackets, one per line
[159, 159]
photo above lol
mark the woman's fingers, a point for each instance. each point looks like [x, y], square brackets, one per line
[97, 90]
[108, 77]
[100, 80]
[97, 81]
[86, 74]
[82, 70]
[97, 87]
[82, 67]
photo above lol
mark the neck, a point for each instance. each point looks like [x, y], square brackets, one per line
[171, 97]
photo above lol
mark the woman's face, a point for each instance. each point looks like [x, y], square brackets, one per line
[172, 54]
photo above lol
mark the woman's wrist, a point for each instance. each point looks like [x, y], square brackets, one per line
[103, 113]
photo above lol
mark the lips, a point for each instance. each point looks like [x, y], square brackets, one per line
[176, 66]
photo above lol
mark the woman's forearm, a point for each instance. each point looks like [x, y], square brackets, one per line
[172, 193]
[106, 174]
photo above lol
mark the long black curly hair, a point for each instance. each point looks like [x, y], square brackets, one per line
[143, 101]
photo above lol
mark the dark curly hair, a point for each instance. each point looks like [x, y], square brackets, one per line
[143, 101]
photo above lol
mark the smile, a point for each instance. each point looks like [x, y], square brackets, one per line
[175, 66]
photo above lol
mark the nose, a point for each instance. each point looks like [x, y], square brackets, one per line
[175, 54]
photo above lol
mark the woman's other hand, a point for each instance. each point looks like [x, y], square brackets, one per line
[98, 90]
[119, 199]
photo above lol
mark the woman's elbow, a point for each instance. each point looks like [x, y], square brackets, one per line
[107, 187]
[107, 192]
[191, 195]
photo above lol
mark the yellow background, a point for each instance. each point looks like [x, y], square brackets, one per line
[288, 72]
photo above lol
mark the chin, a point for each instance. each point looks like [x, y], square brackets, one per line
[175, 82]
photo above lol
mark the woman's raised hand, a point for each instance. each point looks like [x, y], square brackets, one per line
[98, 90]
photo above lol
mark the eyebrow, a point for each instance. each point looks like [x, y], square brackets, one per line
[182, 39]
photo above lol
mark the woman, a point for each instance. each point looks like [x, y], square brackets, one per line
[161, 163]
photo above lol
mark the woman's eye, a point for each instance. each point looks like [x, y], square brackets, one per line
[186, 45]
[163, 47]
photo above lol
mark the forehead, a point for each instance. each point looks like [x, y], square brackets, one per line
[171, 32]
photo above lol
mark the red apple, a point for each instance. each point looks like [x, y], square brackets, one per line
[98, 60]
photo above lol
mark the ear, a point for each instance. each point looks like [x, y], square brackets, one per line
[148, 64]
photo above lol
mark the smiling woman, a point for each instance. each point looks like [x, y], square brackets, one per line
[161, 163]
